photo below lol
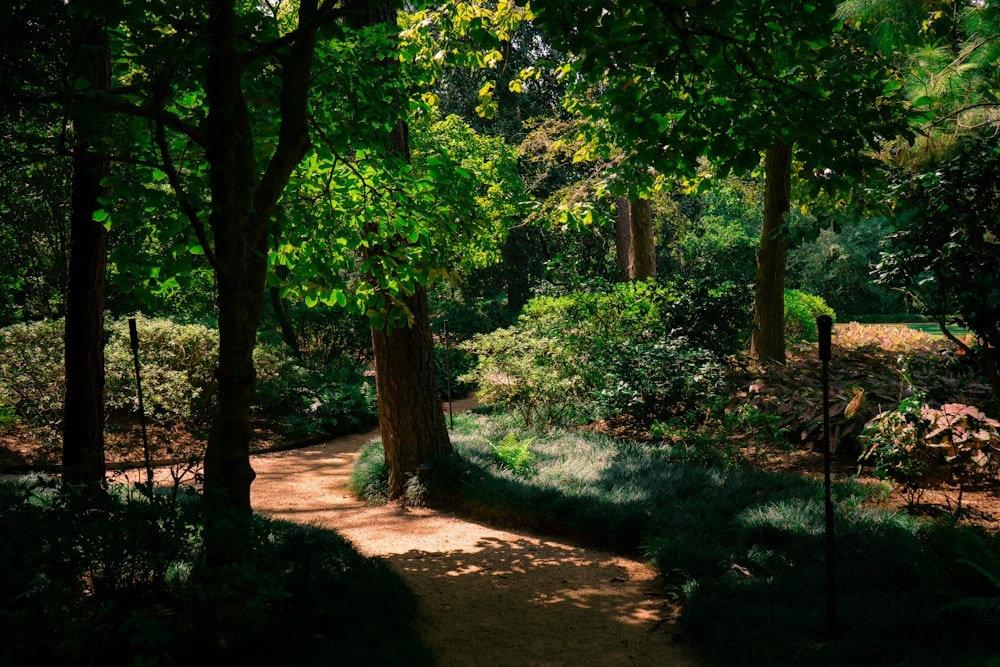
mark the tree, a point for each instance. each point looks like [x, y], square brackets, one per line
[83, 413]
[635, 243]
[731, 81]
[946, 251]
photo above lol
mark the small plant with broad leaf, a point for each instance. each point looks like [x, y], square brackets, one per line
[916, 446]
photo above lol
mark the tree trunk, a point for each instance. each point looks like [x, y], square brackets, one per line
[83, 407]
[635, 244]
[243, 203]
[768, 339]
[288, 333]
[623, 239]
[643, 241]
[517, 267]
[410, 412]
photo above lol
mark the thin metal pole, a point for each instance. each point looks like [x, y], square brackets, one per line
[824, 325]
[133, 335]
[447, 366]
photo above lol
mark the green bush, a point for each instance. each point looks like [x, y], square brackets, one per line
[122, 584]
[178, 367]
[801, 311]
[310, 399]
[609, 351]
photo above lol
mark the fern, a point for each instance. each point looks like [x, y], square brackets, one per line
[514, 453]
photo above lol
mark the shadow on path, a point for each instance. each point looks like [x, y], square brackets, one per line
[487, 596]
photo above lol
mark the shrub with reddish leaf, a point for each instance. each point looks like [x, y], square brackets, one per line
[918, 446]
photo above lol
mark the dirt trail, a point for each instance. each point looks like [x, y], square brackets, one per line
[487, 596]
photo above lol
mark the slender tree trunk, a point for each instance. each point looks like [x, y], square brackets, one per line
[517, 269]
[83, 407]
[768, 339]
[643, 241]
[288, 333]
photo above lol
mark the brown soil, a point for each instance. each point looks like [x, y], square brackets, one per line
[486, 596]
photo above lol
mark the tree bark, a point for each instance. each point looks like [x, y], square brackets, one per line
[288, 333]
[410, 412]
[243, 203]
[643, 241]
[635, 244]
[768, 338]
[83, 406]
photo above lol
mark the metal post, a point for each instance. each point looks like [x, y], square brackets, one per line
[133, 335]
[824, 325]
[447, 366]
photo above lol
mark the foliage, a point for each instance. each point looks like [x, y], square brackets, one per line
[178, 366]
[801, 311]
[514, 453]
[607, 351]
[917, 446]
[726, 436]
[121, 584]
[314, 400]
[838, 266]
[945, 252]
[370, 475]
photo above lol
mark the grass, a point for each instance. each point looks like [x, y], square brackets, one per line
[121, 584]
[743, 549]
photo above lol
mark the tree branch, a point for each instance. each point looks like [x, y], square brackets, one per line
[187, 206]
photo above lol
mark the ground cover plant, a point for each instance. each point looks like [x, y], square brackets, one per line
[121, 584]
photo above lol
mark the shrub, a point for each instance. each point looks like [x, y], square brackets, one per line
[801, 311]
[177, 361]
[599, 353]
[311, 399]
[917, 446]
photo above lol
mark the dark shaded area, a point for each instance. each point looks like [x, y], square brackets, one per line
[123, 584]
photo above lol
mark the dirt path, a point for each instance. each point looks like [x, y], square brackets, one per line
[487, 597]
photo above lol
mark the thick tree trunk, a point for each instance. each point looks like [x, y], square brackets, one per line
[410, 414]
[228, 474]
[635, 244]
[768, 339]
[83, 407]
